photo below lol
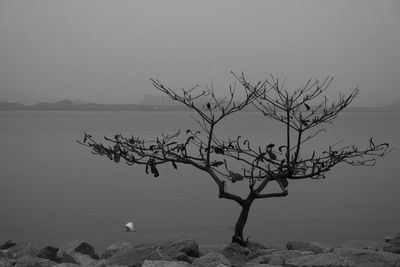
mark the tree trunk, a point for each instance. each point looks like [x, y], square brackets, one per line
[241, 222]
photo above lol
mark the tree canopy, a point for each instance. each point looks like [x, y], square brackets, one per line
[302, 113]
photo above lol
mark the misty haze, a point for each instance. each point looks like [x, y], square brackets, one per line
[74, 72]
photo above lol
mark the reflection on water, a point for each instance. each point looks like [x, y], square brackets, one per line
[53, 190]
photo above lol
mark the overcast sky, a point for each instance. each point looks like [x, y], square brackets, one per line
[106, 51]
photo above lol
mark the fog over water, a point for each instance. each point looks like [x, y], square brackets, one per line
[53, 190]
[106, 51]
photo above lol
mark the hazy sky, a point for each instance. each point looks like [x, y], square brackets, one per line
[106, 51]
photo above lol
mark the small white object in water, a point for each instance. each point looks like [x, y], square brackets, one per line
[129, 227]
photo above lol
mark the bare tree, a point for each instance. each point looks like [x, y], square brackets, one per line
[205, 150]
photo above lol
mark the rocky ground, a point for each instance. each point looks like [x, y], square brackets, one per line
[186, 253]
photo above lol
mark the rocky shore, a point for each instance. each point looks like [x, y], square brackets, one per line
[187, 252]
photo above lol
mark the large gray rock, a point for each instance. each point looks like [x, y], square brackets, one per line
[238, 255]
[22, 249]
[254, 245]
[362, 244]
[64, 257]
[204, 249]
[103, 263]
[181, 249]
[82, 247]
[361, 257]
[8, 244]
[393, 245]
[84, 259]
[187, 246]
[278, 257]
[319, 260]
[137, 255]
[64, 264]
[29, 261]
[211, 259]
[368, 258]
[268, 251]
[115, 248]
[250, 264]
[257, 249]
[79, 252]
[49, 253]
[177, 250]
[148, 263]
[5, 262]
[314, 247]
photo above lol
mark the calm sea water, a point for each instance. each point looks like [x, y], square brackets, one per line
[53, 190]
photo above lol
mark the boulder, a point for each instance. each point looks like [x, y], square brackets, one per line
[148, 263]
[235, 248]
[5, 262]
[236, 254]
[138, 254]
[359, 257]
[115, 248]
[103, 263]
[204, 249]
[255, 246]
[49, 253]
[3, 254]
[368, 258]
[260, 265]
[29, 261]
[187, 246]
[66, 264]
[84, 259]
[393, 245]
[79, 252]
[314, 247]
[259, 261]
[346, 252]
[278, 257]
[267, 251]
[22, 249]
[8, 244]
[82, 247]
[362, 244]
[321, 260]
[258, 250]
[64, 257]
[176, 250]
[180, 256]
[211, 259]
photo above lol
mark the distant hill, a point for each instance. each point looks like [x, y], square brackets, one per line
[11, 106]
[388, 108]
[68, 105]
[392, 107]
[360, 109]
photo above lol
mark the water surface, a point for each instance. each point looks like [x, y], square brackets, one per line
[53, 190]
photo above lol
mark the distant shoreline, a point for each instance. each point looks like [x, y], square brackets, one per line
[67, 105]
